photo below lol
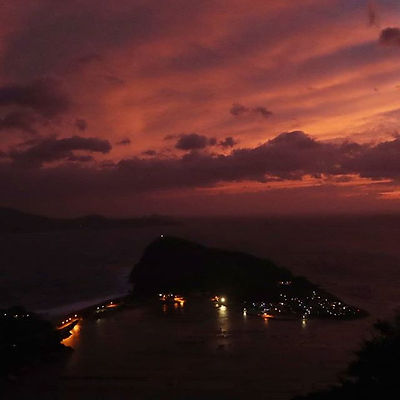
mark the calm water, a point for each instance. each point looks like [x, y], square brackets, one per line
[198, 352]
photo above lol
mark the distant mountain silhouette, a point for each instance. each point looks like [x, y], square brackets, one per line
[15, 221]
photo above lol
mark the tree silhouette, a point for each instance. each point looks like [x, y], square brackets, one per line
[375, 372]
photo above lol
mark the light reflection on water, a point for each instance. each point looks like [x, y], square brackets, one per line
[223, 318]
[72, 341]
[201, 348]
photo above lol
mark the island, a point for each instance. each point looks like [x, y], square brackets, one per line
[174, 265]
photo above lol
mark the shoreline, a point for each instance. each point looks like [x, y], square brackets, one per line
[64, 323]
[102, 308]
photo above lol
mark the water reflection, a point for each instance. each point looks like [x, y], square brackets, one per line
[73, 339]
[223, 320]
[168, 308]
[221, 346]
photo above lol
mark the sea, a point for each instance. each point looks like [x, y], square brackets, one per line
[197, 351]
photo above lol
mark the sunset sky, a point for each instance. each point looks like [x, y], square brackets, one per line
[185, 107]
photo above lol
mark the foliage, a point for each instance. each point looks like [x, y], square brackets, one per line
[374, 374]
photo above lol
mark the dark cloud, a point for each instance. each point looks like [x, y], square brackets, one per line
[390, 37]
[50, 149]
[240, 110]
[262, 111]
[17, 120]
[227, 142]
[380, 161]
[124, 142]
[296, 139]
[193, 141]
[288, 156]
[43, 96]
[81, 124]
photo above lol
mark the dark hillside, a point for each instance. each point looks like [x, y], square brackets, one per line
[170, 263]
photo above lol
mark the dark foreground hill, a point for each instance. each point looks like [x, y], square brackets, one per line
[15, 221]
[173, 264]
[374, 374]
[25, 339]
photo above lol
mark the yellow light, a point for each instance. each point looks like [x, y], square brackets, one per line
[222, 299]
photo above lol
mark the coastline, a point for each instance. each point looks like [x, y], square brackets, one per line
[66, 321]
[80, 307]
